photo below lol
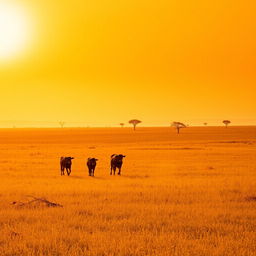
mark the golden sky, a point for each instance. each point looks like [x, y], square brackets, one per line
[102, 62]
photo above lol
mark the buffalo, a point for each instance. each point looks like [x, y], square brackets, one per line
[116, 162]
[91, 163]
[65, 163]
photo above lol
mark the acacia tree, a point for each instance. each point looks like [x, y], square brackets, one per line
[61, 123]
[178, 126]
[134, 122]
[205, 124]
[122, 124]
[226, 122]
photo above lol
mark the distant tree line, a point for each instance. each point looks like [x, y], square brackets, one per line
[176, 125]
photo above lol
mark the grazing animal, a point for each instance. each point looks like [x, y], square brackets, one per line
[65, 163]
[116, 162]
[91, 163]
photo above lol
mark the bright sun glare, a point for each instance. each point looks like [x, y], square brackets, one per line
[14, 30]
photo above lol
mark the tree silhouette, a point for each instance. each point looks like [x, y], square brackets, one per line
[205, 124]
[134, 122]
[122, 124]
[226, 122]
[178, 126]
[61, 123]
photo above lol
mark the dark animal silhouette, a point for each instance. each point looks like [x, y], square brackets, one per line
[91, 163]
[65, 163]
[116, 162]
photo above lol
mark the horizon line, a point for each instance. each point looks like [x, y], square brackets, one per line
[118, 127]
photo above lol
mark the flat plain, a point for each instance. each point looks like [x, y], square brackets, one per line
[187, 194]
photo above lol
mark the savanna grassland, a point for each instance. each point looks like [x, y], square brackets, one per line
[187, 194]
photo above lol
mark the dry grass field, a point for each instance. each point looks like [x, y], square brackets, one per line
[187, 194]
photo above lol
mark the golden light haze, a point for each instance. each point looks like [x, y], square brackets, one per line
[104, 62]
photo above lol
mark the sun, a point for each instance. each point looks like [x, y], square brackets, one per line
[14, 30]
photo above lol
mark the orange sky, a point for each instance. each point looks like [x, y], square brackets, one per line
[102, 62]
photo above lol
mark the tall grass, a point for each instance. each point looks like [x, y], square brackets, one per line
[187, 194]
